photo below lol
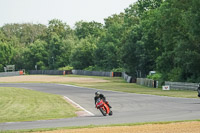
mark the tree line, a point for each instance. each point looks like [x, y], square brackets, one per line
[160, 35]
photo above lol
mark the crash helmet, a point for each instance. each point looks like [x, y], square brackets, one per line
[97, 93]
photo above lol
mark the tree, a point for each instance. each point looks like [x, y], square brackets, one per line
[132, 53]
[2, 36]
[85, 29]
[107, 54]
[187, 52]
[36, 54]
[26, 33]
[82, 55]
[6, 54]
[170, 33]
[60, 39]
[146, 5]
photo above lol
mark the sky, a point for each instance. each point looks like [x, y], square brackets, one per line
[68, 11]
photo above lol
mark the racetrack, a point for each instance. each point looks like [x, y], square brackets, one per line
[127, 107]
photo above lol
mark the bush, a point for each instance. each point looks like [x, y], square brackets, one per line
[93, 68]
[117, 70]
[66, 68]
[156, 76]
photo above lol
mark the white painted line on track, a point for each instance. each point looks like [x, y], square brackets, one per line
[77, 105]
[92, 88]
[77, 86]
[127, 92]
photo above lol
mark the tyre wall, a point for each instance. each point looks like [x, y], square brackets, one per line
[92, 73]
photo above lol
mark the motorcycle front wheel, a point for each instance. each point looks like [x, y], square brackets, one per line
[102, 111]
[110, 113]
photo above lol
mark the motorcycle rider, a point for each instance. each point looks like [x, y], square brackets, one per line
[101, 96]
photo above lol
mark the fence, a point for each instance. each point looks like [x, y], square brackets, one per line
[76, 72]
[92, 73]
[147, 82]
[127, 77]
[6, 74]
[182, 85]
[47, 72]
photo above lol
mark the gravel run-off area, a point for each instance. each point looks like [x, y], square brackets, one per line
[181, 127]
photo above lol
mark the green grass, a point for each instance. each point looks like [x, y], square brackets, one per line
[118, 84]
[17, 104]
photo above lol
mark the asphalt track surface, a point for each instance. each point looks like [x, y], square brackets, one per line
[126, 107]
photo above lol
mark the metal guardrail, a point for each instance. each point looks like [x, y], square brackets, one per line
[92, 73]
[76, 72]
[47, 72]
[127, 77]
[182, 85]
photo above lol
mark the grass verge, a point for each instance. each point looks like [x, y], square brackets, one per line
[95, 126]
[118, 84]
[19, 104]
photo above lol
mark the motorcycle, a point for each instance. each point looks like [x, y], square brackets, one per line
[198, 90]
[103, 107]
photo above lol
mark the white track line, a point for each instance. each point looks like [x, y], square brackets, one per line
[93, 88]
[77, 105]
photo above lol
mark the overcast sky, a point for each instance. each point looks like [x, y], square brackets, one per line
[69, 11]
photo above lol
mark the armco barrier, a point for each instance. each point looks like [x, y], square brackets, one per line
[127, 77]
[92, 73]
[6, 74]
[182, 85]
[47, 72]
[147, 82]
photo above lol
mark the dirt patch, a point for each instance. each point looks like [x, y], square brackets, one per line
[49, 79]
[181, 127]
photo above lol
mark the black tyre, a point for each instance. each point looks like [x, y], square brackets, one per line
[110, 113]
[198, 90]
[102, 111]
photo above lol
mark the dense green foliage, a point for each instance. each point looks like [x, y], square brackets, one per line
[160, 35]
